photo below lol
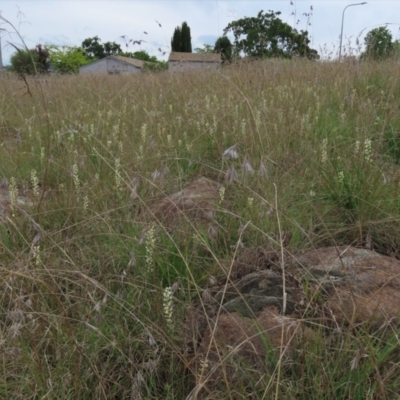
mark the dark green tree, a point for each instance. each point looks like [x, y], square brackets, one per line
[378, 44]
[23, 62]
[31, 62]
[43, 58]
[111, 48]
[181, 40]
[268, 36]
[93, 47]
[96, 50]
[224, 46]
[186, 38]
[176, 41]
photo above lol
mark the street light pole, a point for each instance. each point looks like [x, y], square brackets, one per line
[341, 34]
[1, 58]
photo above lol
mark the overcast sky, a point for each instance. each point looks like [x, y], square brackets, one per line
[69, 22]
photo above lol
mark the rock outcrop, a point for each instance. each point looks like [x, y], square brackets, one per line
[196, 202]
[265, 303]
[249, 315]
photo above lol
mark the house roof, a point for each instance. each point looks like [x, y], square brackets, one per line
[125, 60]
[91, 63]
[195, 57]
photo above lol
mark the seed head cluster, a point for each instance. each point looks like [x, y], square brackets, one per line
[150, 246]
[168, 307]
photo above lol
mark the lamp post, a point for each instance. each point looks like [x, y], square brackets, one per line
[1, 58]
[341, 34]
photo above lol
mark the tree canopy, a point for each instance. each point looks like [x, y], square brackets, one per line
[31, 61]
[181, 40]
[111, 48]
[378, 44]
[224, 46]
[96, 50]
[151, 62]
[141, 55]
[207, 48]
[67, 60]
[266, 35]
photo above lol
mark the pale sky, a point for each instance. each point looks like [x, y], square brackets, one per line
[69, 22]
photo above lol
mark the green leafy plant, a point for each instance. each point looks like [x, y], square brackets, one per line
[31, 61]
[67, 60]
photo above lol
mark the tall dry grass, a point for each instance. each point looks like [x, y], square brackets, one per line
[94, 288]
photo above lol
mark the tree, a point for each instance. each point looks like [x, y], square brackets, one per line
[181, 40]
[67, 60]
[268, 36]
[151, 63]
[111, 48]
[156, 66]
[23, 62]
[207, 48]
[378, 44]
[186, 38]
[43, 58]
[94, 49]
[144, 56]
[224, 46]
[31, 62]
[176, 41]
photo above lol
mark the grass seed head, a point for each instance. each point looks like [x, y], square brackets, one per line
[230, 153]
[247, 167]
[262, 170]
[324, 151]
[155, 175]
[367, 150]
[134, 186]
[75, 177]
[231, 175]
[168, 307]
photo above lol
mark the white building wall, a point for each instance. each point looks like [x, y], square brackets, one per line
[114, 65]
[108, 66]
[97, 67]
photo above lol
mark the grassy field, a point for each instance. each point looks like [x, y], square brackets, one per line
[94, 288]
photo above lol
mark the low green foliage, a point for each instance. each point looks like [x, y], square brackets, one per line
[30, 62]
[207, 48]
[67, 60]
